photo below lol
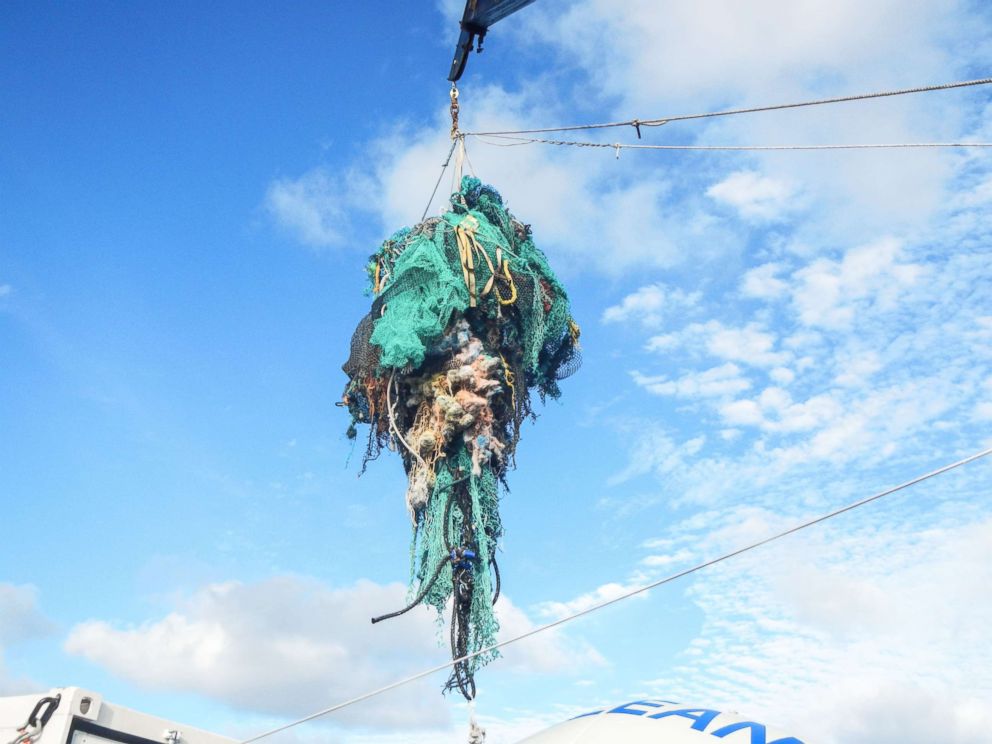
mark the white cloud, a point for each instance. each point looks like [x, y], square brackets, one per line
[556, 610]
[665, 560]
[548, 653]
[742, 413]
[858, 367]
[663, 342]
[284, 646]
[832, 293]
[788, 416]
[782, 375]
[587, 212]
[649, 304]
[5, 289]
[633, 53]
[592, 212]
[290, 645]
[719, 381]
[639, 57]
[761, 282]
[751, 344]
[652, 450]
[310, 207]
[775, 411]
[755, 197]
[20, 619]
[884, 623]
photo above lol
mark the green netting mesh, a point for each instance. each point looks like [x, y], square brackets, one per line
[467, 320]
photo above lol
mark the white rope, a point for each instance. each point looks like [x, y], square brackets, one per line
[391, 407]
[638, 123]
[620, 598]
[516, 141]
[456, 176]
[476, 734]
[444, 167]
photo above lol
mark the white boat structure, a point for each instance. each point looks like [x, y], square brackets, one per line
[72, 715]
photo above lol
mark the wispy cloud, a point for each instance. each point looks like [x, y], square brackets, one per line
[290, 645]
[751, 344]
[311, 207]
[867, 621]
[762, 282]
[21, 619]
[20, 616]
[650, 305]
[831, 293]
[723, 381]
[755, 197]
[282, 646]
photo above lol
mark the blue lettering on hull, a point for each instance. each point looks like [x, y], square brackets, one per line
[701, 719]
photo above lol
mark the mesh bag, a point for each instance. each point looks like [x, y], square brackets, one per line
[468, 320]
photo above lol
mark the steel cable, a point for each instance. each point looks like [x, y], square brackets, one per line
[637, 123]
[620, 598]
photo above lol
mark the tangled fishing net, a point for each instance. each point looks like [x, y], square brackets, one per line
[467, 321]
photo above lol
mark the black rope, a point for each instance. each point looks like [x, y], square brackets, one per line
[419, 598]
[440, 565]
[463, 586]
[461, 556]
[46, 707]
[496, 574]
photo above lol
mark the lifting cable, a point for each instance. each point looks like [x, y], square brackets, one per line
[625, 595]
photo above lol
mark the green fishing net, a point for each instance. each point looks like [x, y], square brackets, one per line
[467, 320]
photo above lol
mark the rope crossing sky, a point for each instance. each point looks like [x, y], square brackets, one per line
[620, 146]
[625, 595]
[638, 123]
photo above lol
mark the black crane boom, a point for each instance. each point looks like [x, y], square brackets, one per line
[479, 15]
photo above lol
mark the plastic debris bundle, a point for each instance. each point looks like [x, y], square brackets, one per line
[468, 319]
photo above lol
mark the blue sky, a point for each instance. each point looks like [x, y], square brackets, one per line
[188, 196]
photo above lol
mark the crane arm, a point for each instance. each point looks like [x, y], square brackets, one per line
[479, 15]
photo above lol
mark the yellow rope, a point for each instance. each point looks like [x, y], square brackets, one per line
[468, 247]
[513, 286]
[465, 236]
[510, 380]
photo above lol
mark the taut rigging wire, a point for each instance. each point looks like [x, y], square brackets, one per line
[638, 123]
[625, 595]
[457, 135]
[515, 141]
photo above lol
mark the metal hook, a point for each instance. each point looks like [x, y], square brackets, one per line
[454, 111]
